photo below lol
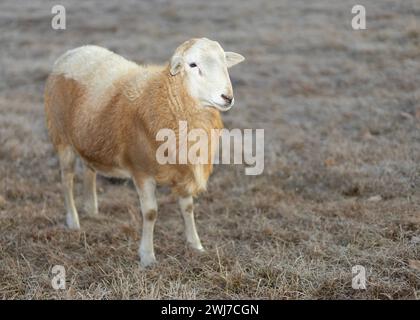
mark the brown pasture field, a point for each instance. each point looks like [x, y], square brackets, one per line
[341, 184]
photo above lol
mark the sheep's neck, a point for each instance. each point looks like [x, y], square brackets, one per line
[178, 98]
[169, 103]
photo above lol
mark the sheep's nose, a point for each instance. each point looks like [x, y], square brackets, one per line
[228, 99]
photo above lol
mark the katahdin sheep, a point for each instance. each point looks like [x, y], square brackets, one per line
[108, 111]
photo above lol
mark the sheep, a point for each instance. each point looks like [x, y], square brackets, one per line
[107, 111]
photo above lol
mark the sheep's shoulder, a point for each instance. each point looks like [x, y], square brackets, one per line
[134, 88]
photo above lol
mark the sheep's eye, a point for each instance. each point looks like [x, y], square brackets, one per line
[193, 65]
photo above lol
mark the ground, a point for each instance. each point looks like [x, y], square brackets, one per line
[341, 185]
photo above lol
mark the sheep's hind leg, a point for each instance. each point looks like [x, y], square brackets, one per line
[187, 210]
[146, 190]
[90, 201]
[67, 165]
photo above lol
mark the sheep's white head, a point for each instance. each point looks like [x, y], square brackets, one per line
[204, 65]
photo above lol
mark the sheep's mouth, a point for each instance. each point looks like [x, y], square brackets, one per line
[221, 107]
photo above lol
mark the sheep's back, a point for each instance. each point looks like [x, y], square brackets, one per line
[96, 69]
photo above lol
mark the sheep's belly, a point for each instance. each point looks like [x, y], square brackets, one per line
[115, 173]
[111, 172]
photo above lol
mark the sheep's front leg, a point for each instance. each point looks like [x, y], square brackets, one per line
[146, 190]
[90, 197]
[187, 210]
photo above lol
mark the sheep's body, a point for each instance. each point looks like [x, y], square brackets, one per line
[108, 111]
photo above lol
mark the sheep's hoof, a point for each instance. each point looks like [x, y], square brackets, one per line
[147, 261]
[91, 212]
[72, 225]
[90, 208]
[197, 249]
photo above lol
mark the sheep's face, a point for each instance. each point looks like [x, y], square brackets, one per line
[204, 64]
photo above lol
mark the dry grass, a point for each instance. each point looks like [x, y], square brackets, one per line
[341, 114]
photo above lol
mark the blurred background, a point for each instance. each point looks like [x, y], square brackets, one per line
[341, 114]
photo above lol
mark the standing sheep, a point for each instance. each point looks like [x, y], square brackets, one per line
[108, 110]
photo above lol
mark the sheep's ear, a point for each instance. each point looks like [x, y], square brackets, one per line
[176, 64]
[233, 58]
